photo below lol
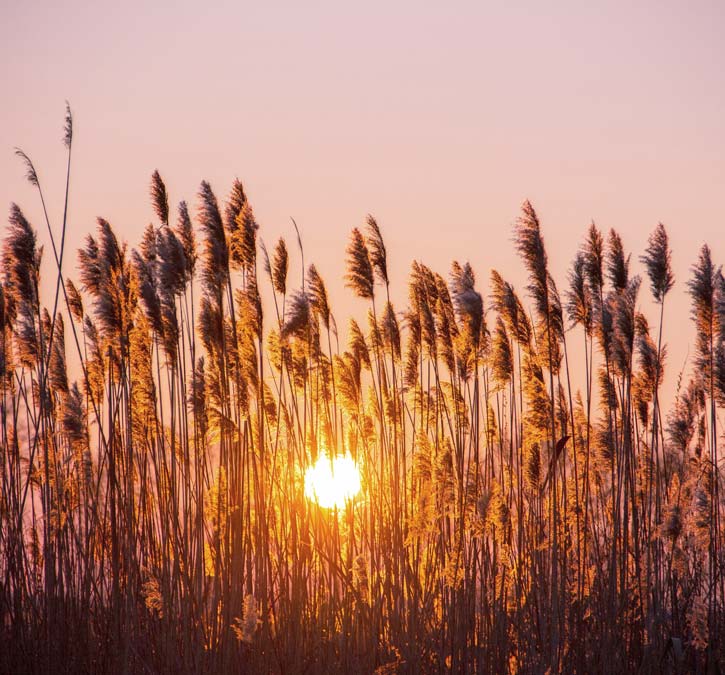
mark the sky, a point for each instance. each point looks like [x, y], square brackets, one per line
[437, 118]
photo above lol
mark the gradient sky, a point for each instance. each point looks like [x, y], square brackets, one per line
[438, 118]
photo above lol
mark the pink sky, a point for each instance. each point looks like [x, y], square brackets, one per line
[437, 119]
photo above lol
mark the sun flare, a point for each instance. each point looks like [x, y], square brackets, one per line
[331, 483]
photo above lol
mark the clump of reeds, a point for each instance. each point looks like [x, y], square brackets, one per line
[522, 509]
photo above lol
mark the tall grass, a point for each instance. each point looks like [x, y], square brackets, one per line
[152, 510]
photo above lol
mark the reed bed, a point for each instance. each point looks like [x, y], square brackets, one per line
[153, 517]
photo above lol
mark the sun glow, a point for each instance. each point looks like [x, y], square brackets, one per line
[331, 483]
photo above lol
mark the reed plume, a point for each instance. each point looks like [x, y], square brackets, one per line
[360, 270]
[159, 198]
[658, 261]
[378, 254]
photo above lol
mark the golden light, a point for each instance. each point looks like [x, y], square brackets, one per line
[331, 483]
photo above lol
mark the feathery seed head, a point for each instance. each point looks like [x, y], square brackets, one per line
[376, 247]
[68, 126]
[658, 261]
[159, 198]
[359, 268]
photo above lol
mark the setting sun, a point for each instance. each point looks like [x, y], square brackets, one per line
[331, 483]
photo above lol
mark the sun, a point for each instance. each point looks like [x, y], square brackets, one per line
[332, 482]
